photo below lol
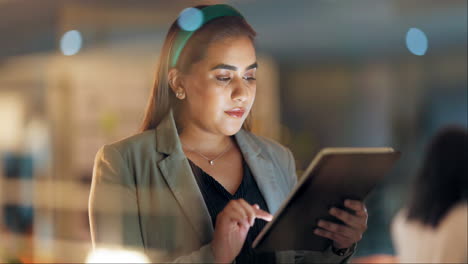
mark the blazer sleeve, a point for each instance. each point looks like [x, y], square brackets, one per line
[304, 256]
[113, 211]
[113, 206]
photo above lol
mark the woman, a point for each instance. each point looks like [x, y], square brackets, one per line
[195, 185]
[433, 227]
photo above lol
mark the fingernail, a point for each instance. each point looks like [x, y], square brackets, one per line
[320, 223]
[332, 211]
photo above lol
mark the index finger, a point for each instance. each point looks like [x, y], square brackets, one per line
[358, 206]
[259, 213]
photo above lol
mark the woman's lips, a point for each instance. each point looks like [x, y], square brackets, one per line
[237, 113]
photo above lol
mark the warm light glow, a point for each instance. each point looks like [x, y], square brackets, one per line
[104, 255]
[70, 43]
[12, 116]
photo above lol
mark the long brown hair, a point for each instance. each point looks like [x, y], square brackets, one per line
[162, 99]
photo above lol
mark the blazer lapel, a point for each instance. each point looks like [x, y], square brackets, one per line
[178, 174]
[262, 169]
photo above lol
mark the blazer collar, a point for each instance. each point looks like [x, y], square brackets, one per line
[178, 174]
[263, 169]
[167, 139]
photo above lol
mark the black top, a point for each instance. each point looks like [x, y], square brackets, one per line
[217, 197]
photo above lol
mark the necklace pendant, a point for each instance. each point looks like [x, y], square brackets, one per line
[211, 162]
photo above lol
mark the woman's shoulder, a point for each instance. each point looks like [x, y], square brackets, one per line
[272, 147]
[399, 219]
[135, 143]
[457, 215]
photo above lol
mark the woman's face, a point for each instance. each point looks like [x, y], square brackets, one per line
[220, 89]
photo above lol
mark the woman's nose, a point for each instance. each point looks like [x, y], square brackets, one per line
[241, 91]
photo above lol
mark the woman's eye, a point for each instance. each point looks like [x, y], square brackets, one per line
[250, 78]
[223, 79]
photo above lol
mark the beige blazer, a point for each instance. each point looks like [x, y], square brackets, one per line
[145, 197]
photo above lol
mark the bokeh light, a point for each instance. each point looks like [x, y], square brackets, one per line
[104, 255]
[190, 19]
[416, 41]
[71, 41]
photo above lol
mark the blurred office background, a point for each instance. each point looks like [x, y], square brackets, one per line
[76, 74]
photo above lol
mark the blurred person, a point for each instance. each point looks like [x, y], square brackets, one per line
[196, 185]
[432, 228]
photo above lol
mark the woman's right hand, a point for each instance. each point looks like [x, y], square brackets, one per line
[232, 226]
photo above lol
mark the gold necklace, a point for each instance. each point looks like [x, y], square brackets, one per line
[210, 161]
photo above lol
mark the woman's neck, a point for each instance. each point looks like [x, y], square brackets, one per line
[194, 138]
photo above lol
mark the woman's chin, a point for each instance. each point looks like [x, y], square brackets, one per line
[231, 129]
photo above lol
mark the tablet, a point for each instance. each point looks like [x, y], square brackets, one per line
[334, 175]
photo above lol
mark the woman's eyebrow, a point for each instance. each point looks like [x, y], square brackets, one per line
[233, 68]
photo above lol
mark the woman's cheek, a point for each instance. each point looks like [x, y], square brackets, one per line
[252, 100]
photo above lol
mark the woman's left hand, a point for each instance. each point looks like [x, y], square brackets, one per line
[344, 236]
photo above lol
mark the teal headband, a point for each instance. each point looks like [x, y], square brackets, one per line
[196, 20]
